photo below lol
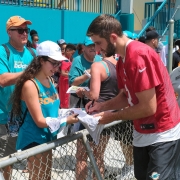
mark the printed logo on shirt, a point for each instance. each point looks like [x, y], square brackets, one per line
[47, 100]
[20, 65]
[154, 176]
[141, 70]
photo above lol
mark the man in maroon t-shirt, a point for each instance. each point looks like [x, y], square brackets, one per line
[146, 97]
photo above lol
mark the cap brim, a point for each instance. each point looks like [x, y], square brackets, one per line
[88, 44]
[26, 21]
[58, 58]
[22, 22]
[150, 38]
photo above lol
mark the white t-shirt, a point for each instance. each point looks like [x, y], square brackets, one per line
[141, 140]
[163, 55]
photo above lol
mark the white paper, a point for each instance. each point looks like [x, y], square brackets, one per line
[89, 121]
[73, 89]
[55, 123]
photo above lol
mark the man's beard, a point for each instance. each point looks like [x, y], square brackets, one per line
[110, 50]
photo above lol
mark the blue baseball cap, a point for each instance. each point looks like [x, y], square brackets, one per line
[134, 36]
[88, 41]
[128, 34]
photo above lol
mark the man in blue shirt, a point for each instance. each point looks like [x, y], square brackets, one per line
[77, 75]
[12, 64]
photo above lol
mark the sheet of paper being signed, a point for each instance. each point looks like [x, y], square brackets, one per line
[73, 89]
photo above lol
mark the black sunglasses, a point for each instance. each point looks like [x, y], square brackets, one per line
[21, 31]
[54, 64]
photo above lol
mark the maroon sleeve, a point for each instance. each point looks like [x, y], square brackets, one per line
[145, 70]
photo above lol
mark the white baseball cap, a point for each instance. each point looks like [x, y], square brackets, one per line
[50, 49]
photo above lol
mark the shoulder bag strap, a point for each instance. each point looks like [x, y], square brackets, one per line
[7, 51]
[31, 51]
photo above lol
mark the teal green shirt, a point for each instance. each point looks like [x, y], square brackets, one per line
[79, 65]
[17, 62]
[29, 132]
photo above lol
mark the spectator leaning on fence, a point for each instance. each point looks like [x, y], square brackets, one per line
[148, 92]
[36, 99]
[77, 75]
[103, 86]
[13, 61]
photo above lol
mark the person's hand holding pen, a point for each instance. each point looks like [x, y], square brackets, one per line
[72, 119]
[92, 107]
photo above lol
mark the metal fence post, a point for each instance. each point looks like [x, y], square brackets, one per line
[170, 44]
[91, 157]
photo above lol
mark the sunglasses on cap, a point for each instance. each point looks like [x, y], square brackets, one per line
[21, 30]
[54, 64]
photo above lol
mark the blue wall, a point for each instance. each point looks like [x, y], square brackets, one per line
[50, 24]
[54, 24]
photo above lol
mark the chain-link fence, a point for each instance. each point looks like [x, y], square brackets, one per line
[77, 157]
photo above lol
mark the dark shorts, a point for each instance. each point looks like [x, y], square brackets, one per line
[159, 158]
[7, 143]
[124, 132]
[33, 144]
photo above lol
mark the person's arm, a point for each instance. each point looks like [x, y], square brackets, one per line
[31, 98]
[64, 68]
[147, 106]
[95, 82]
[76, 74]
[118, 102]
[64, 73]
[80, 79]
[8, 79]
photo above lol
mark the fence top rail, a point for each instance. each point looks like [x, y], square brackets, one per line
[20, 156]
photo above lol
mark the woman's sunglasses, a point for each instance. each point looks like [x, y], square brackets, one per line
[21, 31]
[54, 64]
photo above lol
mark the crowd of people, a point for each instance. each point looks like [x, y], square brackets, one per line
[123, 73]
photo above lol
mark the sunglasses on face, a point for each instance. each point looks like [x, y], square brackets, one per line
[54, 64]
[21, 30]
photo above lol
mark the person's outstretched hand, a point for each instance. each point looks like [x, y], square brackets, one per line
[105, 117]
[80, 92]
[72, 119]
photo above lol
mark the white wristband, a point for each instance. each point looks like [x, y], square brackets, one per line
[87, 74]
